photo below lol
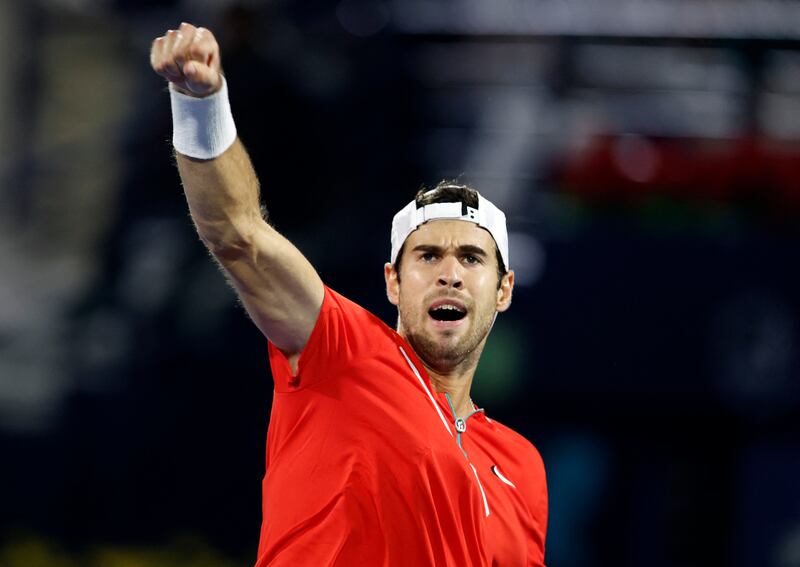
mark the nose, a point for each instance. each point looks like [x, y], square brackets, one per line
[450, 273]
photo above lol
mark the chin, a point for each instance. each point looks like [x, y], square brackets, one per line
[442, 353]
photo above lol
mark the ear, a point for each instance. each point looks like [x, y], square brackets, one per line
[505, 292]
[392, 285]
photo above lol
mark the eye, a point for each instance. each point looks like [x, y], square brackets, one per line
[470, 259]
[428, 257]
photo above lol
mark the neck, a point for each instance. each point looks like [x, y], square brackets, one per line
[457, 384]
[451, 377]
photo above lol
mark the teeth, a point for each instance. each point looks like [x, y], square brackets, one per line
[447, 312]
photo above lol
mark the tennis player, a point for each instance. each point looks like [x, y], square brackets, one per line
[376, 455]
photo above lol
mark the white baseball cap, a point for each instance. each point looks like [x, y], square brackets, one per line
[487, 216]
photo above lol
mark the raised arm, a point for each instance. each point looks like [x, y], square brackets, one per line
[277, 285]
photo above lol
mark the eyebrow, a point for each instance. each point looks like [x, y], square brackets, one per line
[463, 249]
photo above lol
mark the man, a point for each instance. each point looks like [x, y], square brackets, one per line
[376, 454]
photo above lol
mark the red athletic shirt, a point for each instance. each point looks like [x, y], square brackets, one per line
[366, 467]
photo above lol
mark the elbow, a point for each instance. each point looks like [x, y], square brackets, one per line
[231, 241]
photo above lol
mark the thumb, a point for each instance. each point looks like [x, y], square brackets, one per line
[201, 79]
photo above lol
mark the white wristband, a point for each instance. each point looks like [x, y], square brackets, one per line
[202, 128]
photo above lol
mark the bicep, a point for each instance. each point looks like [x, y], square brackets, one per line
[277, 285]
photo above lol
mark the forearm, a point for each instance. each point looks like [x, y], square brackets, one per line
[223, 198]
[277, 285]
[218, 178]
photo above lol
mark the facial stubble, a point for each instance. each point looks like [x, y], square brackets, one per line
[438, 352]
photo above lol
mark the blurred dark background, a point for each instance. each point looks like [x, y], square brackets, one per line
[647, 155]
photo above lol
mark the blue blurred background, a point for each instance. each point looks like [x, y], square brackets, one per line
[647, 154]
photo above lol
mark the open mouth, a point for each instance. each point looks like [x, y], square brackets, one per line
[447, 312]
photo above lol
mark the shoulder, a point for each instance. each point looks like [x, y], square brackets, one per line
[519, 444]
[337, 305]
[336, 301]
[347, 331]
[344, 334]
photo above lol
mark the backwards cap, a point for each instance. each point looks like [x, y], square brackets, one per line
[487, 216]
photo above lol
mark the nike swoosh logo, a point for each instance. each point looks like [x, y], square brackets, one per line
[499, 475]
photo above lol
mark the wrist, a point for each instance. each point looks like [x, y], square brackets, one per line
[202, 127]
[181, 90]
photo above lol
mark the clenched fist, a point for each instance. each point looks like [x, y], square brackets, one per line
[189, 58]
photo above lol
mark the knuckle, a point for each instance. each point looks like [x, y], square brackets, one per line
[198, 50]
[168, 66]
[209, 46]
[205, 34]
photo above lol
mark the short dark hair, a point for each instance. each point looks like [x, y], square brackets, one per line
[450, 191]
